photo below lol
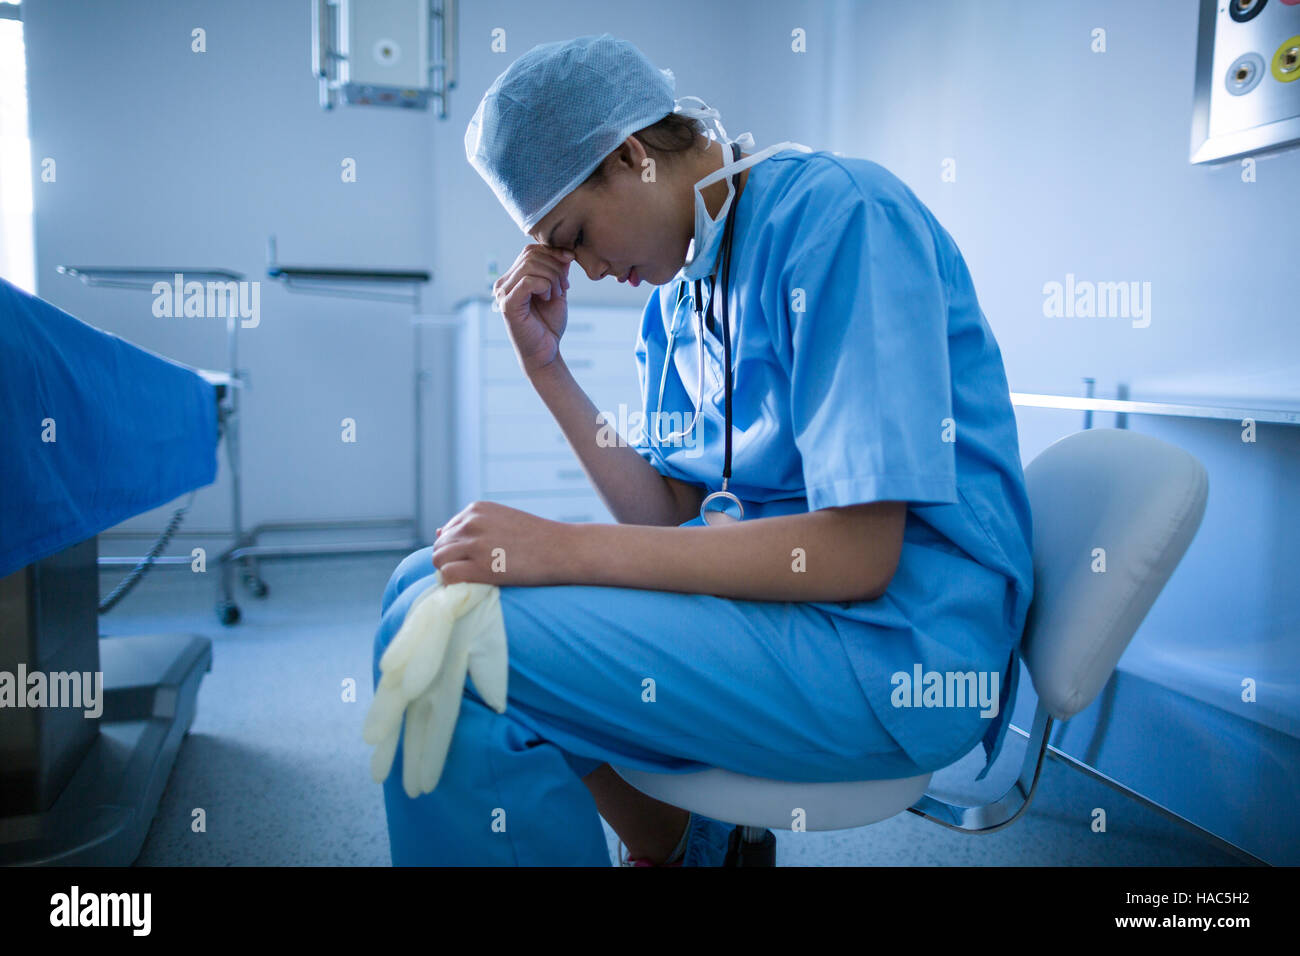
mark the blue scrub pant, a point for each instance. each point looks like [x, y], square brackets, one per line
[653, 680]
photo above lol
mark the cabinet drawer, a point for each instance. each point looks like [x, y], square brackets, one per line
[612, 326]
[586, 360]
[499, 363]
[534, 474]
[519, 435]
[509, 401]
[505, 400]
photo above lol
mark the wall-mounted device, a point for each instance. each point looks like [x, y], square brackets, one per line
[1247, 78]
[398, 53]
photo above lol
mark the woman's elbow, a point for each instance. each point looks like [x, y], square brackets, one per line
[880, 548]
[858, 586]
[878, 586]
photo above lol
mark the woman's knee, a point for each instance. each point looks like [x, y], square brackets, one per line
[395, 609]
[416, 565]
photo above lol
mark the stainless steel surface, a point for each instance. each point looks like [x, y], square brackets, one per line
[140, 278]
[303, 550]
[105, 561]
[328, 287]
[451, 14]
[1225, 413]
[442, 55]
[1006, 809]
[1225, 126]
[320, 38]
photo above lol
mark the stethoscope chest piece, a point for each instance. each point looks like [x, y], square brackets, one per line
[721, 507]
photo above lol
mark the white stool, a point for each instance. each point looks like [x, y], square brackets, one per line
[1141, 499]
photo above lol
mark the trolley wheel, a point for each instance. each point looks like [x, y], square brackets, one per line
[256, 586]
[228, 613]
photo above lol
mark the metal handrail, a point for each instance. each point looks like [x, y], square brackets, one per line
[119, 278]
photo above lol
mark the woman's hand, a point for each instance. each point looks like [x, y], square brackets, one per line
[490, 543]
[532, 298]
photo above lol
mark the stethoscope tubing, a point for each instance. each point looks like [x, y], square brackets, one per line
[656, 429]
[723, 287]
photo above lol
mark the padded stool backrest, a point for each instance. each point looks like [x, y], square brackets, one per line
[1137, 498]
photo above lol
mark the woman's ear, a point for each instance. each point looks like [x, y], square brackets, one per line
[632, 152]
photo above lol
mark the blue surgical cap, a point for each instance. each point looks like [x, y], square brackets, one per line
[549, 120]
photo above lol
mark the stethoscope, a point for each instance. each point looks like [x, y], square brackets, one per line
[718, 507]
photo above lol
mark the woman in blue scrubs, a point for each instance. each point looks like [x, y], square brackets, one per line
[885, 539]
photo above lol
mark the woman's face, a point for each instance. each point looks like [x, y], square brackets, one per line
[624, 226]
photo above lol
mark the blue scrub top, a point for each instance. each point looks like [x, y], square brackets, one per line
[864, 371]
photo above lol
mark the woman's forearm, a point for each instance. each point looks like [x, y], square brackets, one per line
[631, 488]
[832, 554]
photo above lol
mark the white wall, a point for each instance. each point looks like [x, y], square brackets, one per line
[1070, 161]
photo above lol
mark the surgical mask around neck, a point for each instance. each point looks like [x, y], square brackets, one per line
[702, 253]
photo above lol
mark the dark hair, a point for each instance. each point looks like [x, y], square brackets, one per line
[673, 134]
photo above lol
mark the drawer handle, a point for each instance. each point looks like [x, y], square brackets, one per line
[570, 473]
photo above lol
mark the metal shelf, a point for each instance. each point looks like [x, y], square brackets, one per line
[1169, 409]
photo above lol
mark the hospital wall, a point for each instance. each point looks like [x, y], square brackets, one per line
[1069, 161]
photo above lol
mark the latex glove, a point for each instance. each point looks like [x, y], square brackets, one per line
[448, 631]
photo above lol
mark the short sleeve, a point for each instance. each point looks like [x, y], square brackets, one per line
[865, 306]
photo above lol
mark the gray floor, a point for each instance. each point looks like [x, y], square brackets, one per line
[276, 761]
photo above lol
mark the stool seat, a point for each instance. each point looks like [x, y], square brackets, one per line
[1141, 499]
[758, 802]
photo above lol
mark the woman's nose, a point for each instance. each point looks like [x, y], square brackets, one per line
[592, 265]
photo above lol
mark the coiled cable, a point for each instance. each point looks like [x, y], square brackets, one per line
[132, 579]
